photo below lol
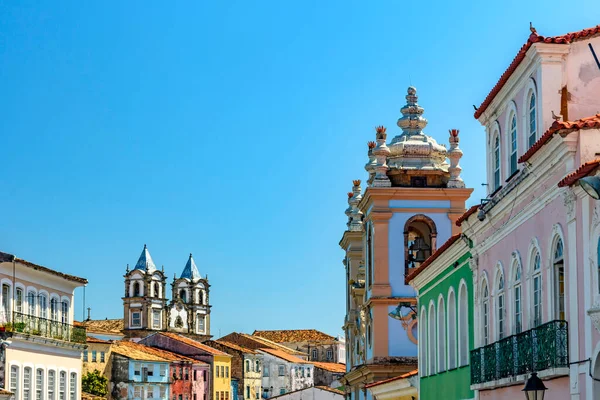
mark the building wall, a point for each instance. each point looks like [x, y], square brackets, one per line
[326, 378]
[558, 389]
[292, 378]
[91, 365]
[222, 384]
[124, 382]
[455, 379]
[23, 354]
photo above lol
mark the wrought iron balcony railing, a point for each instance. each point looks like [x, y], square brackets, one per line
[537, 349]
[24, 323]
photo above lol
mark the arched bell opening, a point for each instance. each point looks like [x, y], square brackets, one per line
[420, 235]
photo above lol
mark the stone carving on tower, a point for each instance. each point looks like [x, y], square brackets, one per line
[145, 303]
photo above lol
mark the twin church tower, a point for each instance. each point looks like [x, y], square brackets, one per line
[147, 309]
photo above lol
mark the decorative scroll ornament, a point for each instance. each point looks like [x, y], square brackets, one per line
[569, 202]
[594, 314]
[454, 154]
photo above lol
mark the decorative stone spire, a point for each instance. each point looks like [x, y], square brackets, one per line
[190, 271]
[145, 262]
[370, 166]
[381, 152]
[454, 155]
[349, 210]
[356, 215]
[412, 121]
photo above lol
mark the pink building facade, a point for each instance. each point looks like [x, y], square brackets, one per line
[536, 237]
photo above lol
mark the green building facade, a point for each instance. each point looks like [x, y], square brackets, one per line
[444, 285]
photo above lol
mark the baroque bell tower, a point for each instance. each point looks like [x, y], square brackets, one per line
[409, 208]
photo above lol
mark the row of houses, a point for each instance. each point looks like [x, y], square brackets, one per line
[503, 297]
[45, 353]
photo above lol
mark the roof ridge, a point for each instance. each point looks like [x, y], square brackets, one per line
[533, 38]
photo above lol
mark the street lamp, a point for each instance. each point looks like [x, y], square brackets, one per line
[534, 388]
[402, 313]
[591, 185]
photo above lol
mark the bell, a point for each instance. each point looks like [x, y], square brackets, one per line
[419, 244]
[420, 256]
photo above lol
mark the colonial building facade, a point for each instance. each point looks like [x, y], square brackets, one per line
[318, 345]
[535, 238]
[145, 304]
[412, 201]
[444, 286]
[44, 355]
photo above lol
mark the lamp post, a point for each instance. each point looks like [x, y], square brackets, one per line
[403, 312]
[534, 388]
[591, 185]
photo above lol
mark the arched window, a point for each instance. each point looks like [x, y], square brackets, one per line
[463, 324]
[183, 295]
[39, 383]
[496, 162]
[73, 387]
[64, 315]
[559, 280]
[27, 383]
[532, 120]
[54, 309]
[537, 290]
[441, 332]
[431, 340]
[518, 307]
[500, 306]
[156, 289]
[420, 234]
[136, 289]
[451, 330]
[369, 337]
[423, 341]
[513, 143]
[247, 365]
[486, 313]
[257, 364]
[31, 302]
[43, 306]
[200, 297]
[14, 381]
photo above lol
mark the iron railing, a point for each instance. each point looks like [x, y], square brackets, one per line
[537, 349]
[24, 323]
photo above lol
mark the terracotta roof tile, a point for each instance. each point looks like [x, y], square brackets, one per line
[91, 339]
[136, 350]
[467, 214]
[193, 343]
[6, 257]
[533, 38]
[331, 367]
[582, 171]
[284, 356]
[396, 378]
[104, 325]
[294, 335]
[562, 127]
[263, 342]
[433, 257]
[233, 346]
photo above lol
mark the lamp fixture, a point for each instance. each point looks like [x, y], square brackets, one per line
[591, 185]
[534, 388]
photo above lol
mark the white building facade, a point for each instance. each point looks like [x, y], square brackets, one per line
[42, 351]
[284, 373]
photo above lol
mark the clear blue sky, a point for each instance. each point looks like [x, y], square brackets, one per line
[229, 129]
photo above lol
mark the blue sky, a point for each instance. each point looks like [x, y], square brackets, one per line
[231, 130]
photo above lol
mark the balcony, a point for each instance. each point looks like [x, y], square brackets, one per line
[542, 348]
[30, 325]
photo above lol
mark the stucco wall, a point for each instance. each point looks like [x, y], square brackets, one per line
[311, 394]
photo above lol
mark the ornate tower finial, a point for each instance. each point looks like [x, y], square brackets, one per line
[372, 163]
[127, 269]
[356, 215]
[412, 121]
[381, 152]
[348, 211]
[454, 154]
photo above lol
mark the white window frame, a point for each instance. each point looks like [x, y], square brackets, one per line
[485, 313]
[441, 335]
[496, 161]
[558, 266]
[422, 325]
[532, 123]
[536, 281]
[39, 384]
[133, 318]
[51, 384]
[451, 314]
[73, 386]
[15, 380]
[27, 372]
[517, 293]
[513, 139]
[500, 306]
[463, 323]
[156, 319]
[431, 339]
